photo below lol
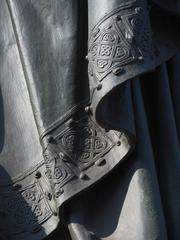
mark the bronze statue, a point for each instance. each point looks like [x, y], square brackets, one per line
[84, 85]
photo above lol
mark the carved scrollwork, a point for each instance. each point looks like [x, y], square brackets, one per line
[122, 37]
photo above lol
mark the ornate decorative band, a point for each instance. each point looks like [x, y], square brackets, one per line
[121, 38]
[78, 153]
[26, 205]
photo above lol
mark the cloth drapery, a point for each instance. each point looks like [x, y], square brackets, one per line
[140, 199]
[89, 109]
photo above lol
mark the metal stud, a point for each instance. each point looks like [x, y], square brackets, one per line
[83, 176]
[37, 174]
[128, 35]
[61, 155]
[59, 192]
[140, 58]
[99, 86]
[91, 73]
[48, 195]
[118, 18]
[100, 162]
[118, 143]
[88, 109]
[51, 139]
[116, 71]
[55, 213]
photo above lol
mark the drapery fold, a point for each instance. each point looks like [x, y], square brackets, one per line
[76, 132]
[142, 195]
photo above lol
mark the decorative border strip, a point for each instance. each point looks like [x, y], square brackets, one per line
[120, 38]
[76, 149]
[26, 204]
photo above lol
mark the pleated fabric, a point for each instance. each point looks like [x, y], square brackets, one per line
[140, 199]
[44, 77]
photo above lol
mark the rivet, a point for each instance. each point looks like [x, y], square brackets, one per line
[118, 18]
[88, 109]
[140, 58]
[83, 176]
[138, 9]
[91, 73]
[16, 187]
[99, 86]
[61, 154]
[86, 57]
[63, 157]
[51, 139]
[48, 195]
[36, 229]
[128, 35]
[37, 174]
[59, 192]
[118, 143]
[100, 162]
[116, 71]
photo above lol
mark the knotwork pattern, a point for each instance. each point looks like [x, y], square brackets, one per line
[122, 37]
[25, 208]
